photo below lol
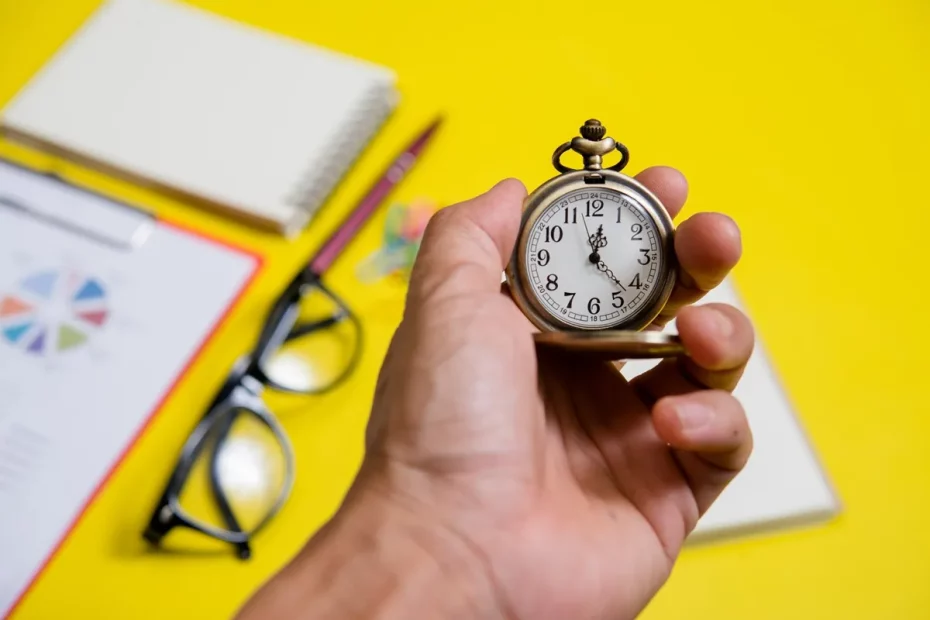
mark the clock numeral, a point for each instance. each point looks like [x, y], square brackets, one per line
[594, 208]
[594, 305]
[637, 228]
[635, 283]
[543, 258]
[645, 255]
[619, 211]
[552, 282]
[571, 298]
[553, 233]
[616, 298]
[574, 216]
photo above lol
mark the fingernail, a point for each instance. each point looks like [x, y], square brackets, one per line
[693, 416]
[722, 323]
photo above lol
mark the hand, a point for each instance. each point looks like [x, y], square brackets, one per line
[504, 482]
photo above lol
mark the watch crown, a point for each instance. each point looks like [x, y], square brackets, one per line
[593, 130]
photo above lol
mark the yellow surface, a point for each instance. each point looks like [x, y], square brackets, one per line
[806, 121]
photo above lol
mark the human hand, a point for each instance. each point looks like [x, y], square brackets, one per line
[502, 481]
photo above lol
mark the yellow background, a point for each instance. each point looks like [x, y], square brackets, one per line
[806, 121]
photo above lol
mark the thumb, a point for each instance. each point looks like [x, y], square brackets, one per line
[467, 245]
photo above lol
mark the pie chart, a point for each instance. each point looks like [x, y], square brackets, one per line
[53, 312]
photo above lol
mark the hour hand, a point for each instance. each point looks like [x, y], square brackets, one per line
[596, 241]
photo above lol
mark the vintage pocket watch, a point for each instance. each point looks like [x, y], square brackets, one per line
[594, 262]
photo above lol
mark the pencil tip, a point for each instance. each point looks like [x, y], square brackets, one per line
[426, 135]
[430, 129]
[437, 121]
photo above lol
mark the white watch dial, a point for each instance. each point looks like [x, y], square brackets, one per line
[594, 258]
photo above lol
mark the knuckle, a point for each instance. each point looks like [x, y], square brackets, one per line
[449, 226]
[438, 222]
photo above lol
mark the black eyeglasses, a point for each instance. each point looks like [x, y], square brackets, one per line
[236, 469]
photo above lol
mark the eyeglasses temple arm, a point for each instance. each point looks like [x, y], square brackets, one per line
[309, 328]
[232, 524]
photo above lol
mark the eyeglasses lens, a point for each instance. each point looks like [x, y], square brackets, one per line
[248, 468]
[320, 350]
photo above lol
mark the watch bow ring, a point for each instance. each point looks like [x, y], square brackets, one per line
[592, 145]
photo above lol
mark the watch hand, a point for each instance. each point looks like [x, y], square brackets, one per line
[599, 241]
[596, 241]
[593, 256]
[602, 266]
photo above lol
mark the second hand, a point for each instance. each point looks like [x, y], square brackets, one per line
[594, 258]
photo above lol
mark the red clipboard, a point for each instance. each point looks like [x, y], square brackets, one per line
[14, 205]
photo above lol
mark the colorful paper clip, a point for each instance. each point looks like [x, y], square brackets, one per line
[404, 226]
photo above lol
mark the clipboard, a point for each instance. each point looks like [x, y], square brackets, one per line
[103, 307]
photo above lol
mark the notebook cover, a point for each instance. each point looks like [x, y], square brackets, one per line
[209, 110]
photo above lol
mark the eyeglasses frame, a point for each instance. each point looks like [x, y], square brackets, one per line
[241, 392]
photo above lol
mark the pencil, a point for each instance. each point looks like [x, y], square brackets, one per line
[375, 197]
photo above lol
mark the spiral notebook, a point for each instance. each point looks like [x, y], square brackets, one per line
[214, 111]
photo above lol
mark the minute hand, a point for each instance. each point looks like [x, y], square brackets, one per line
[601, 265]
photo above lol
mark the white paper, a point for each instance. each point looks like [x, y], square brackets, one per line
[91, 339]
[783, 482]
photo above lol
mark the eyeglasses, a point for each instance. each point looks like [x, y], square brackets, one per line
[236, 469]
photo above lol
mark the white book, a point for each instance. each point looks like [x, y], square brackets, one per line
[216, 112]
[783, 483]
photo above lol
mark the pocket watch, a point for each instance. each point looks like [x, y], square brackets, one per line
[594, 261]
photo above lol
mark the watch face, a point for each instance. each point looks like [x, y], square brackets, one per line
[594, 259]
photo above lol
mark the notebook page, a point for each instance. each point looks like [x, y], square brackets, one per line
[200, 102]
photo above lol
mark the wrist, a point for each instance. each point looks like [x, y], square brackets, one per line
[377, 561]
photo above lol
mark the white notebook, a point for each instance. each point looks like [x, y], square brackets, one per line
[219, 113]
[783, 483]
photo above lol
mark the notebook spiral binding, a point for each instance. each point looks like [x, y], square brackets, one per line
[321, 177]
